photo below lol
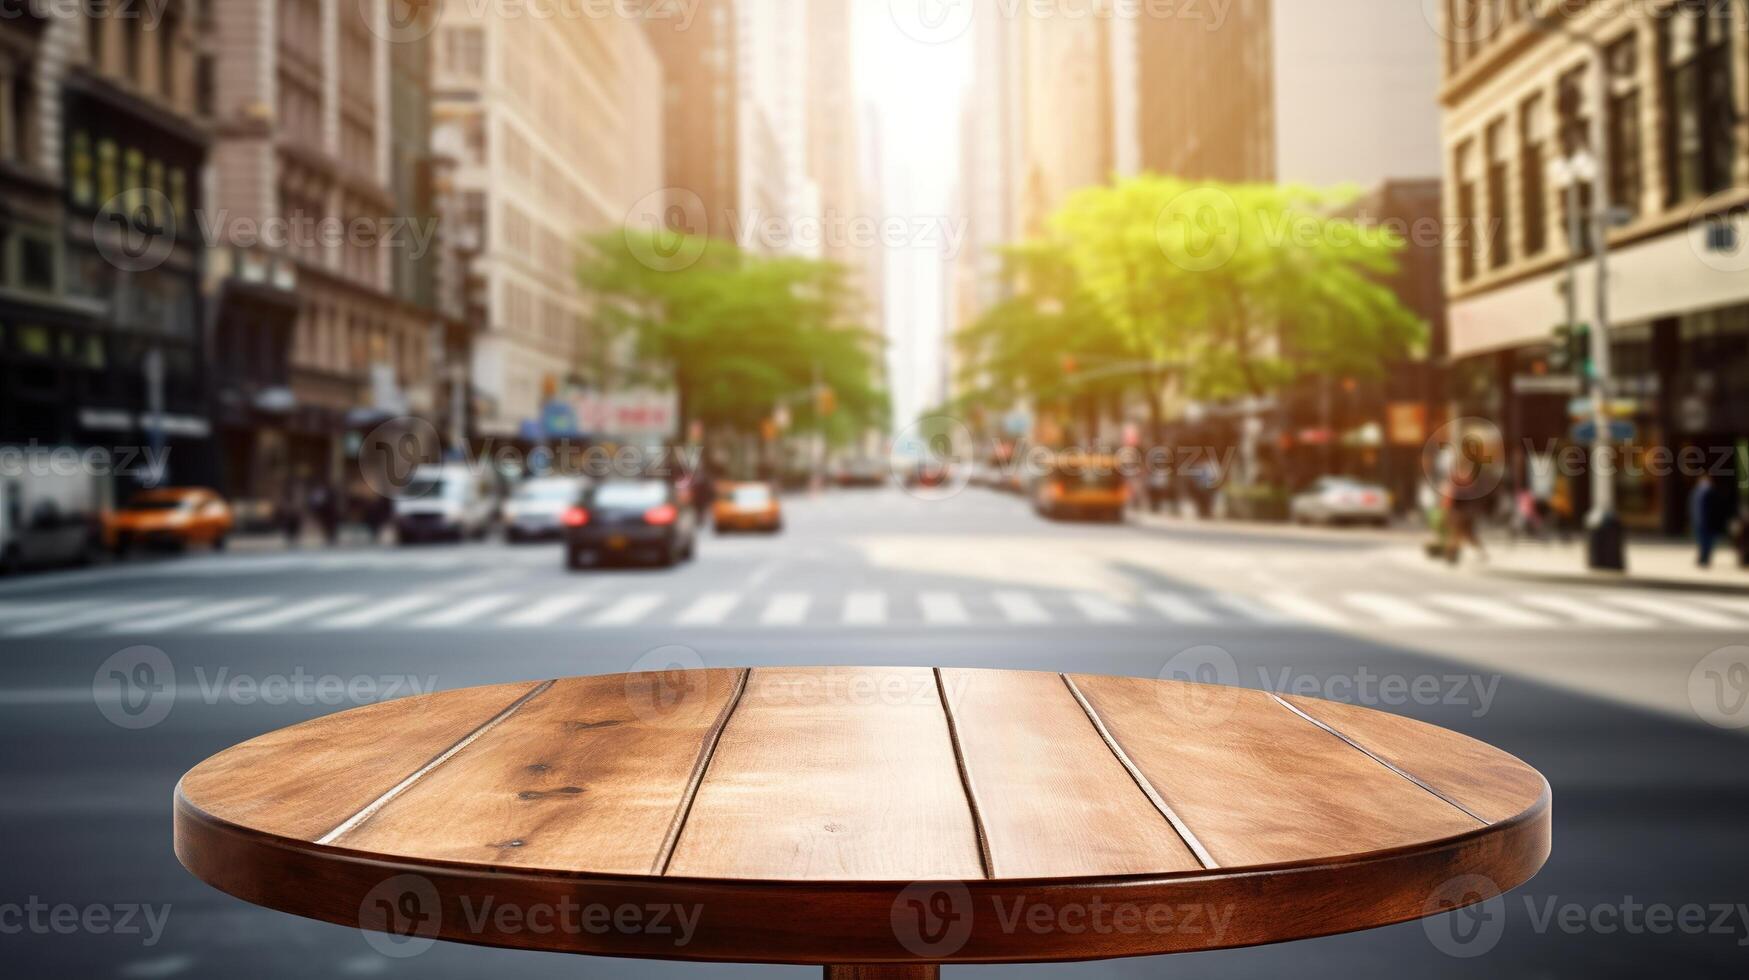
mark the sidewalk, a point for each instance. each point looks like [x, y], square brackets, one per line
[1652, 564]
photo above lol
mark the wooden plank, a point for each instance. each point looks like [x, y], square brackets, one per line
[1482, 779]
[305, 780]
[587, 777]
[1258, 784]
[1054, 800]
[833, 773]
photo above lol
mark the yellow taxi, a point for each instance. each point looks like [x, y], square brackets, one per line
[1077, 485]
[747, 507]
[174, 517]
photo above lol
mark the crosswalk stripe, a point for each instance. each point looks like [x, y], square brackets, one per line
[21, 610]
[1178, 608]
[1393, 610]
[375, 613]
[1099, 608]
[786, 609]
[285, 614]
[1488, 611]
[1306, 610]
[92, 617]
[548, 611]
[1670, 609]
[943, 609]
[465, 611]
[628, 610]
[1021, 607]
[1739, 606]
[865, 608]
[189, 617]
[710, 609]
[1585, 613]
[1250, 609]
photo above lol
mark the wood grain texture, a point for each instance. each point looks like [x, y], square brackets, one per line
[1272, 787]
[806, 816]
[1055, 802]
[587, 776]
[832, 774]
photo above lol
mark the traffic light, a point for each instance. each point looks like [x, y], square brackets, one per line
[1571, 349]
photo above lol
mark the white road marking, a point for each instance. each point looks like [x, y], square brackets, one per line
[1586, 613]
[1178, 608]
[1486, 611]
[188, 617]
[865, 608]
[465, 611]
[943, 609]
[786, 609]
[1100, 609]
[629, 609]
[285, 614]
[374, 613]
[19, 610]
[1021, 607]
[1306, 610]
[1394, 610]
[710, 609]
[1249, 608]
[92, 617]
[1674, 611]
[548, 611]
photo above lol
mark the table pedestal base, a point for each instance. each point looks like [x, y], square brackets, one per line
[883, 971]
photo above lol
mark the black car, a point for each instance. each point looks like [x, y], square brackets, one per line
[630, 520]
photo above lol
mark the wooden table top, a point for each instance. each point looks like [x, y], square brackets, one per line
[862, 815]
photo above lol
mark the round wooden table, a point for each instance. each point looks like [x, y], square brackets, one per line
[873, 820]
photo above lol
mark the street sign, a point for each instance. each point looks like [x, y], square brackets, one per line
[1546, 384]
[1619, 431]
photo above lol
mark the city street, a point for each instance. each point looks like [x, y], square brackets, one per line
[1589, 685]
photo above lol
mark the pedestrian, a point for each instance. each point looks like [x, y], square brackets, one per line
[1465, 503]
[325, 506]
[1700, 515]
[291, 514]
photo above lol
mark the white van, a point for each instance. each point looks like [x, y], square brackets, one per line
[51, 509]
[451, 502]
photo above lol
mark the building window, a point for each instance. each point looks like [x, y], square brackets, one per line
[465, 54]
[1533, 168]
[1466, 212]
[1575, 130]
[1499, 221]
[1626, 174]
[1694, 50]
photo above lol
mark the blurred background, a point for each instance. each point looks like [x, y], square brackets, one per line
[1390, 352]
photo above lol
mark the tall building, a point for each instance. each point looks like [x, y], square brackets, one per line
[701, 112]
[104, 138]
[1517, 98]
[777, 186]
[1064, 134]
[1205, 103]
[551, 130]
[833, 150]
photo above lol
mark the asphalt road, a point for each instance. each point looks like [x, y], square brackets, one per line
[1650, 869]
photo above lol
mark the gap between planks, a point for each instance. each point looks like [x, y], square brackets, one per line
[706, 753]
[1363, 750]
[370, 809]
[959, 759]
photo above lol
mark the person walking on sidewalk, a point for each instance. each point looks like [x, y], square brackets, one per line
[1700, 514]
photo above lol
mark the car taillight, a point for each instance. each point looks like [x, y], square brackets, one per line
[663, 515]
[576, 517]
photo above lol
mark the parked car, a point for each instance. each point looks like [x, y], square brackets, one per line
[535, 508]
[747, 507]
[451, 502]
[1082, 486]
[49, 518]
[1335, 500]
[630, 519]
[864, 472]
[171, 517]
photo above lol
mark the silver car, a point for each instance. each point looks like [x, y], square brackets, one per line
[535, 509]
[1335, 500]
